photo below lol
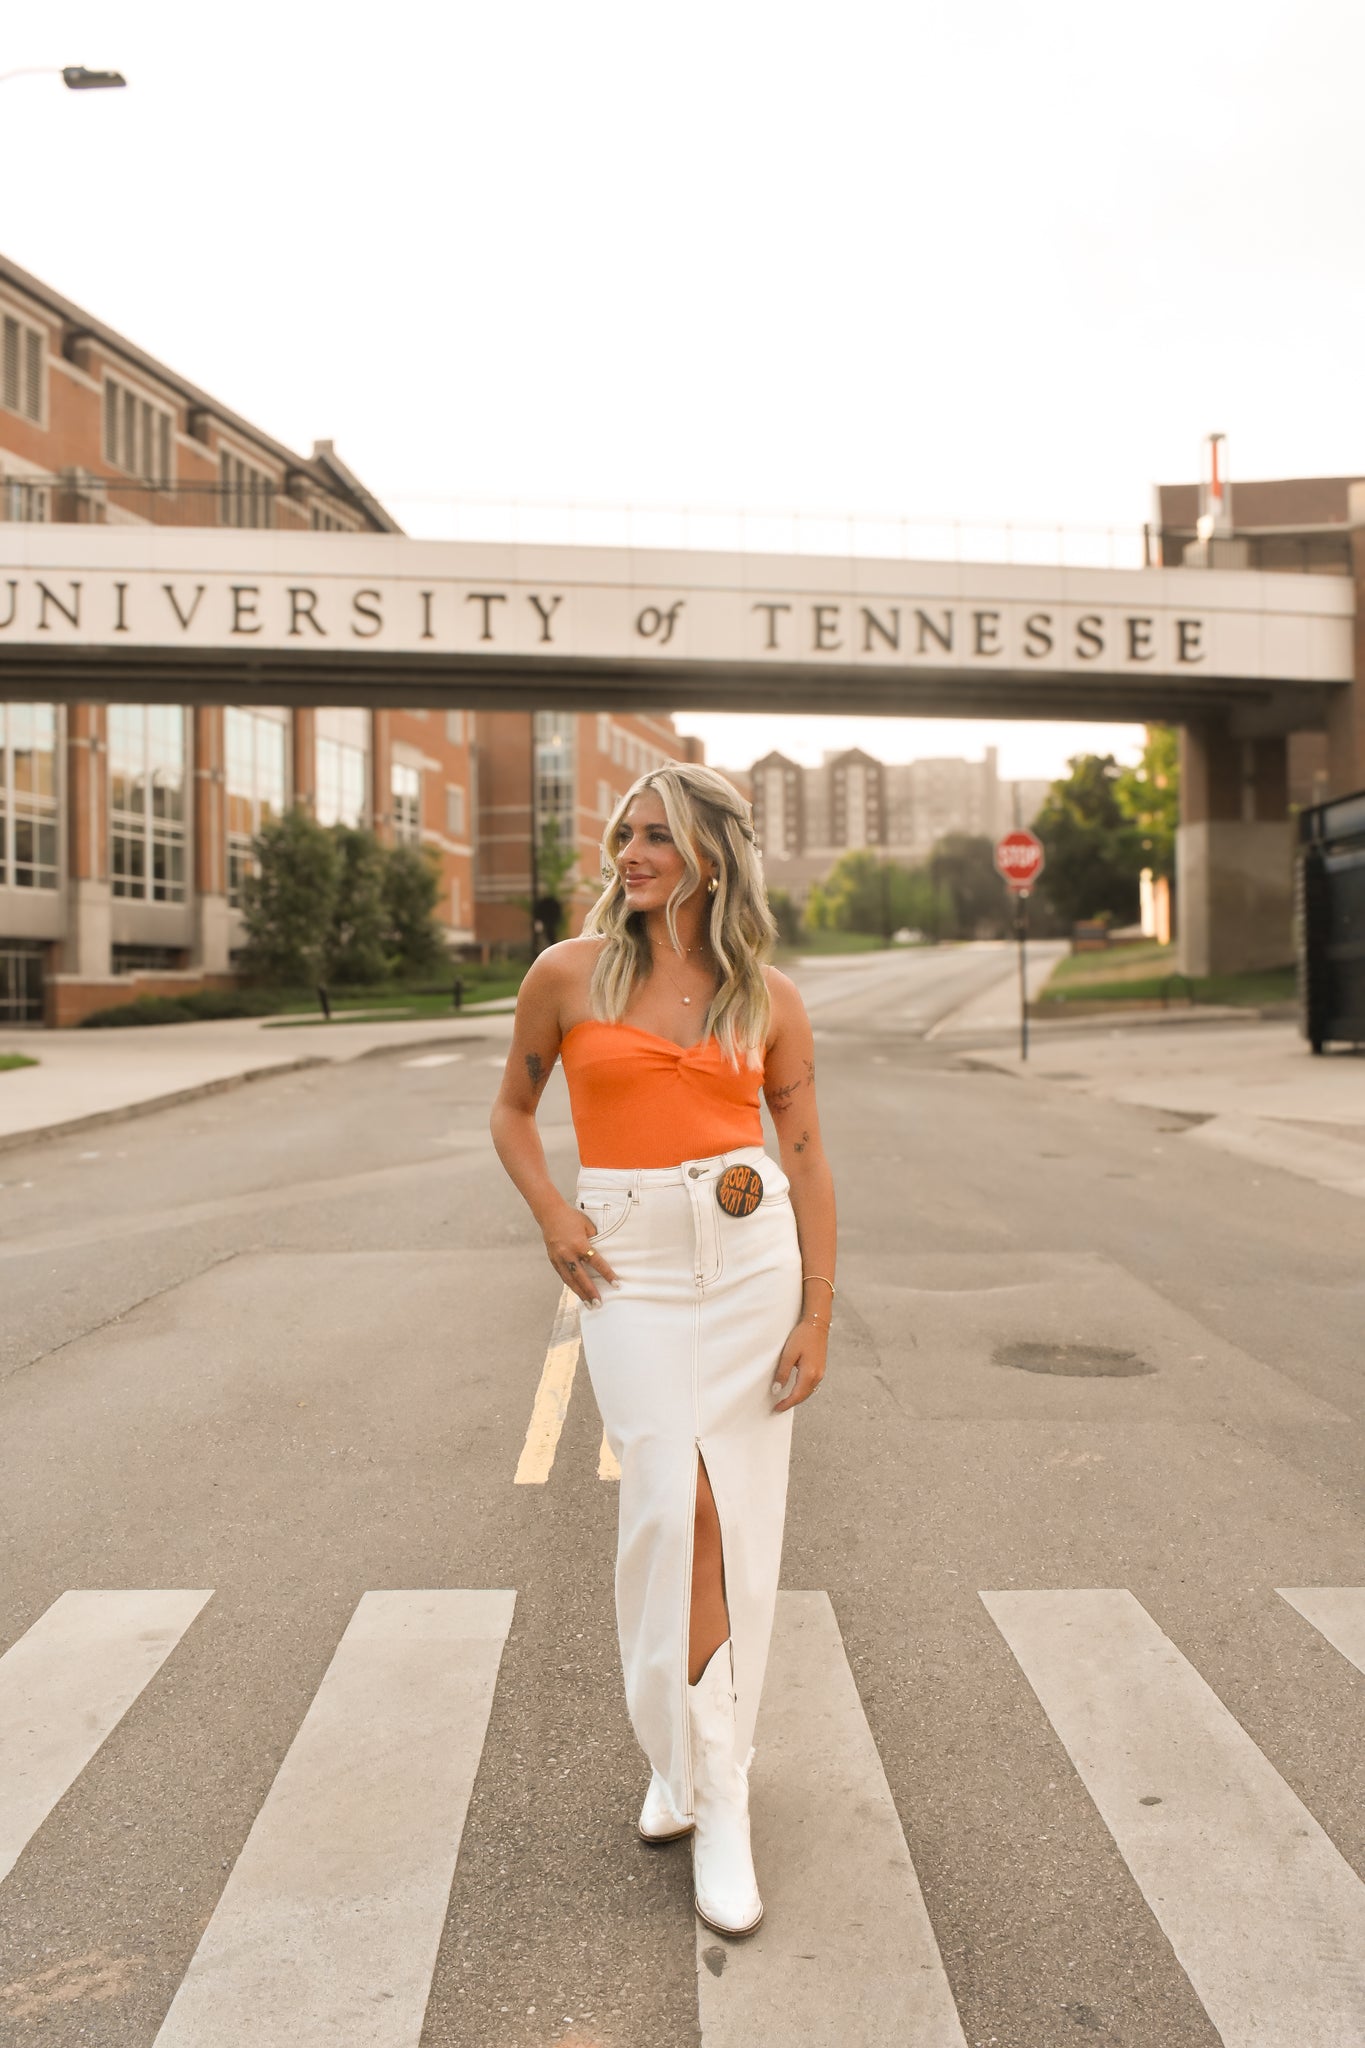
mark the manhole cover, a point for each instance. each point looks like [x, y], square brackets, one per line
[1073, 1361]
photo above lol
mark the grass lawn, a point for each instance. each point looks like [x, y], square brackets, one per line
[398, 1005]
[10, 1060]
[1140, 973]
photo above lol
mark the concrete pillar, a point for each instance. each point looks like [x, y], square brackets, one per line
[1346, 713]
[87, 945]
[208, 822]
[1234, 853]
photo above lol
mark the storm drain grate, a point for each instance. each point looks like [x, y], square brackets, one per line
[1073, 1361]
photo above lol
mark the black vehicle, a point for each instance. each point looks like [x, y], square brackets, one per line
[1330, 922]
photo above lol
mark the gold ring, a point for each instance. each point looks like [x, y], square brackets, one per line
[589, 1253]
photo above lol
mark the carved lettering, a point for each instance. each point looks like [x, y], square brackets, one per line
[186, 619]
[371, 612]
[943, 634]
[985, 632]
[826, 628]
[1089, 637]
[1189, 640]
[545, 616]
[872, 624]
[487, 598]
[1140, 646]
[303, 604]
[426, 597]
[13, 605]
[120, 608]
[770, 644]
[1038, 635]
[244, 596]
[48, 597]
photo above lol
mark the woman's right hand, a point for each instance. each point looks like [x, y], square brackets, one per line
[568, 1244]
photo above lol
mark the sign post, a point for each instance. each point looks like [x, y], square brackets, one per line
[1019, 859]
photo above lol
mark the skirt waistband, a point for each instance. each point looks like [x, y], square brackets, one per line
[637, 1177]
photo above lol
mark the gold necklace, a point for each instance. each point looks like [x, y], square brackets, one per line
[677, 985]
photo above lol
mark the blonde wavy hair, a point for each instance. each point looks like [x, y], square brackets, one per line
[710, 822]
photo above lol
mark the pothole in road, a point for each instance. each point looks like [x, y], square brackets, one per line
[1073, 1361]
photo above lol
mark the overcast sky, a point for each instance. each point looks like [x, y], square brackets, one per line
[980, 260]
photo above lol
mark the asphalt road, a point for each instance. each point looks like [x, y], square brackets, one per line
[285, 1344]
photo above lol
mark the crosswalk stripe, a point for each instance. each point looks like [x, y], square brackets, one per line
[327, 1929]
[1337, 1612]
[551, 1404]
[65, 1685]
[1265, 1915]
[435, 1059]
[846, 1954]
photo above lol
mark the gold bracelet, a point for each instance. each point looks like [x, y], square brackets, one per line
[821, 1278]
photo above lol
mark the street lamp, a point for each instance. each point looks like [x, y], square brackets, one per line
[76, 77]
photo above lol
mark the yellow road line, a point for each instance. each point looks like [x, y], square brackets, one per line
[552, 1396]
[607, 1467]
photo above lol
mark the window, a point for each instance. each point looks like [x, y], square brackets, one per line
[137, 434]
[455, 811]
[604, 798]
[456, 902]
[147, 802]
[246, 496]
[23, 352]
[256, 748]
[405, 785]
[455, 728]
[21, 981]
[323, 521]
[22, 500]
[28, 796]
[343, 761]
[603, 733]
[555, 772]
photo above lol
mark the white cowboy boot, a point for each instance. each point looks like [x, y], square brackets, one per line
[660, 1820]
[722, 1867]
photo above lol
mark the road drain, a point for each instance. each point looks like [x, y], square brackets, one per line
[1073, 1361]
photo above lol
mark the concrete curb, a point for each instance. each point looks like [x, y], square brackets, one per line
[13, 1141]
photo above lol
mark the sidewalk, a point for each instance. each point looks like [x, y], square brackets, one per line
[90, 1077]
[1249, 1088]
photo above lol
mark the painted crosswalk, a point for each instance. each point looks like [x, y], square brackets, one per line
[326, 1931]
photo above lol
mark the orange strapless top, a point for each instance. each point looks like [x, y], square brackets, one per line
[640, 1100]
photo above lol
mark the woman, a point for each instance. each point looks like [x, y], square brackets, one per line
[705, 1270]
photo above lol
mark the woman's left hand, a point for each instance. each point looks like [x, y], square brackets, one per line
[802, 1354]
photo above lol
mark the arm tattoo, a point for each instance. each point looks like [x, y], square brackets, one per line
[781, 1098]
[802, 1142]
[535, 1068]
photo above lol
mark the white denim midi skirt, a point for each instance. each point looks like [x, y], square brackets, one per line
[681, 1358]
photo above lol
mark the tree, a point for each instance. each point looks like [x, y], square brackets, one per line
[355, 945]
[786, 916]
[962, 867]
[1093, 850]
[288, 902]
[1149, 797]
[555, 863]
[413, 935]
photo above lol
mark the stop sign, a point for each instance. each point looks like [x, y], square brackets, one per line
[1019, 858]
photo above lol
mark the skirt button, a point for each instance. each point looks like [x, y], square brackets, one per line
[694, 1173]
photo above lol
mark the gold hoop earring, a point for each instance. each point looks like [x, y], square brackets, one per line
[712, 886]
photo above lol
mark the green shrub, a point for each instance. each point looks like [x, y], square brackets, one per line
[142, 1010]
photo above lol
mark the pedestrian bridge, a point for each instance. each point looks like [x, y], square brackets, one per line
[1237, 659]
[200, 615]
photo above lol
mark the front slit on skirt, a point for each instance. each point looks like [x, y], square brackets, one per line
[681, 1358]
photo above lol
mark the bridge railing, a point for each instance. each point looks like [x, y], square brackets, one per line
[79, 497]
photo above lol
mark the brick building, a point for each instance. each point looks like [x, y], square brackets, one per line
[125, 830]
